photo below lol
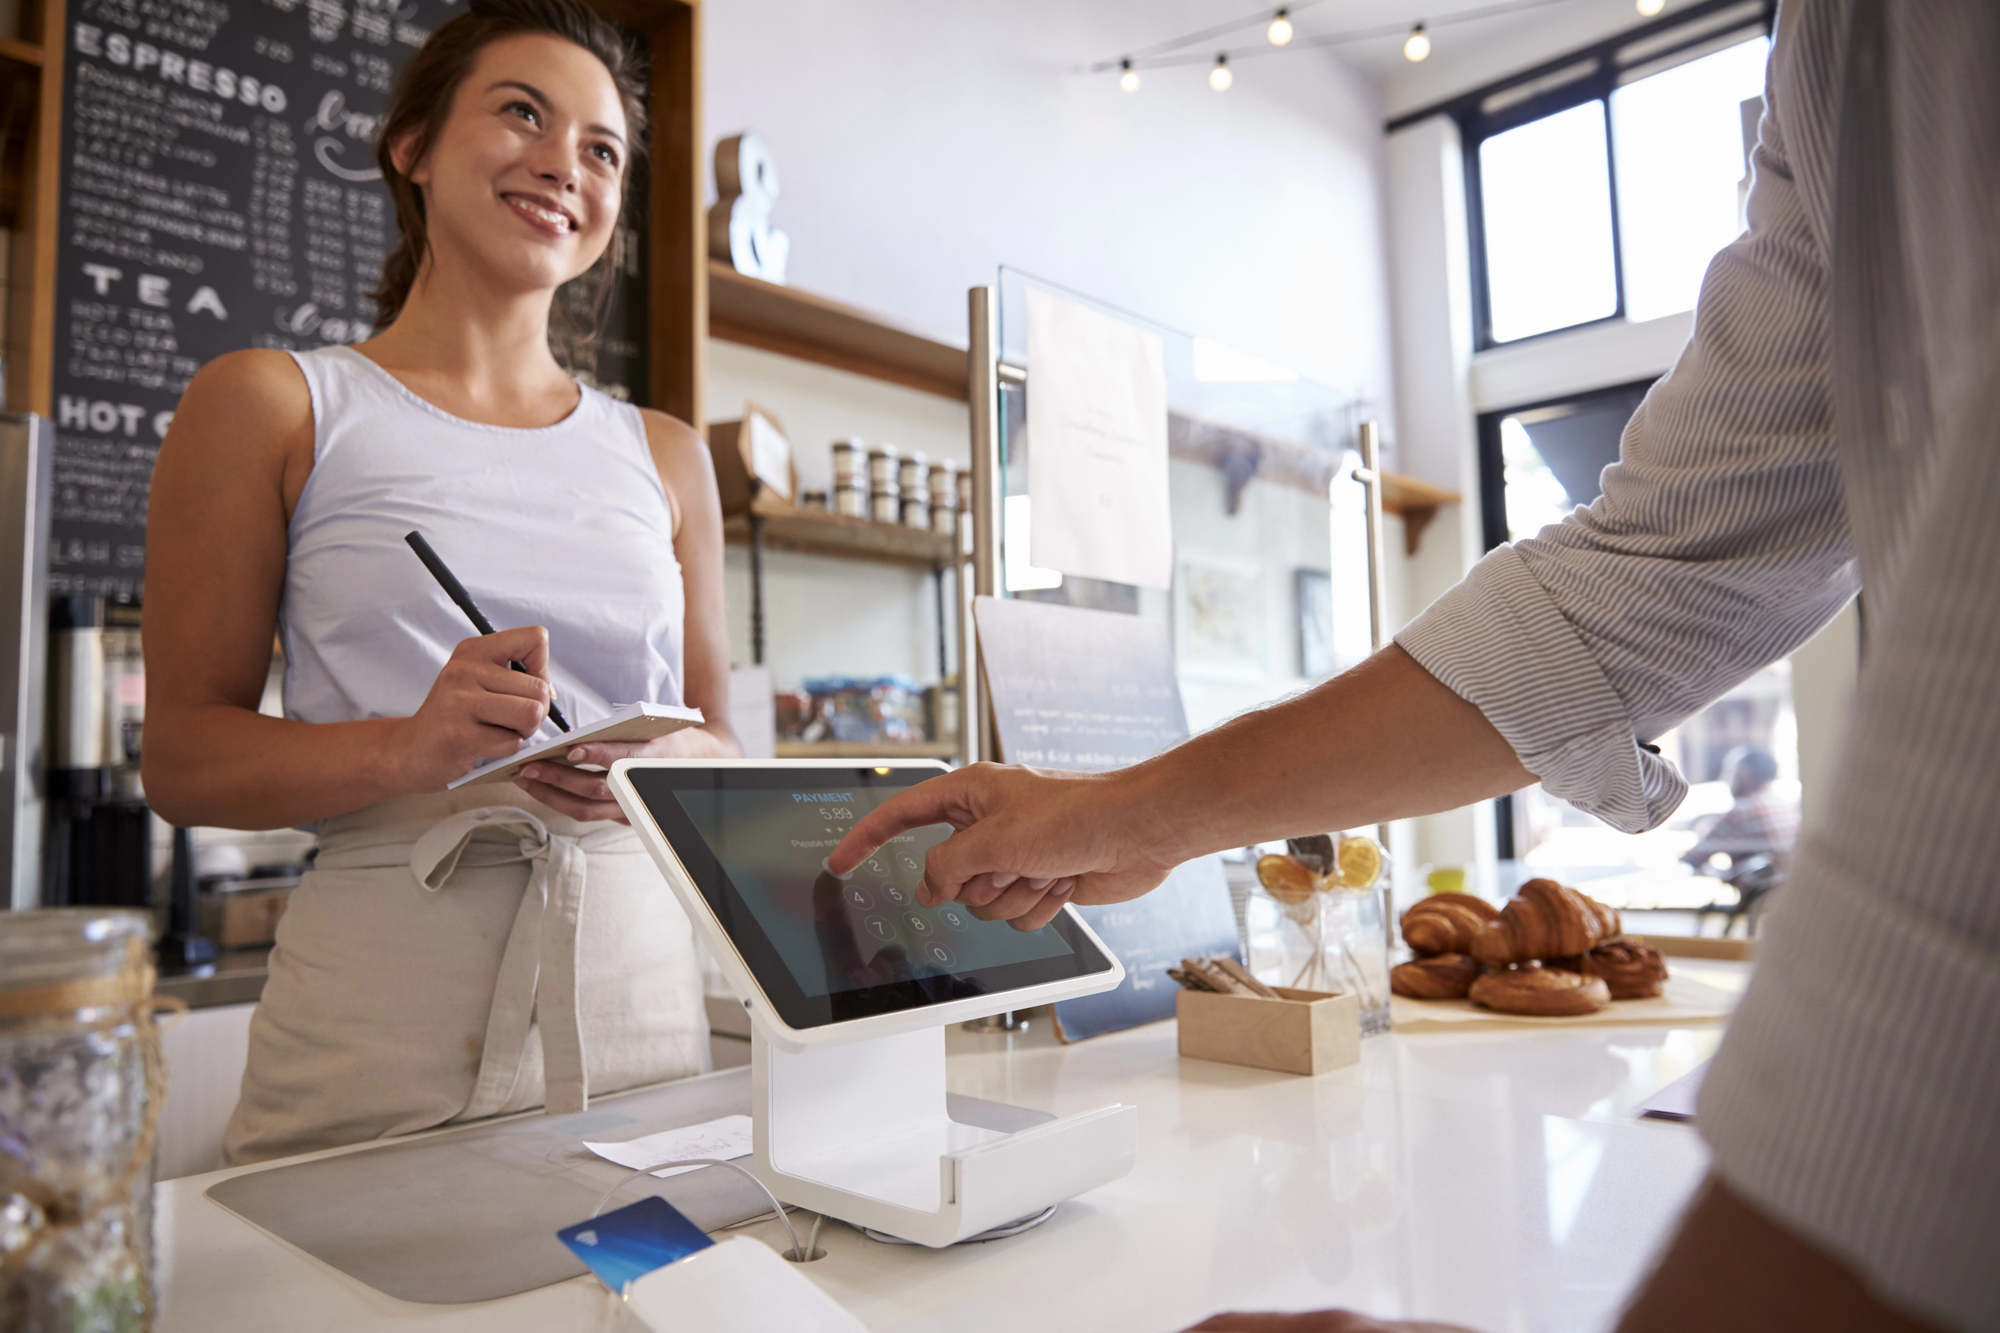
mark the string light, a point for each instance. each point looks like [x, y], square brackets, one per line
[1220, 78]
[1280, 30]
[1418, 46]
[1648, 8]
[1128, 78]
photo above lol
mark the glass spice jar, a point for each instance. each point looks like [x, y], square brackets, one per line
[81, 1085]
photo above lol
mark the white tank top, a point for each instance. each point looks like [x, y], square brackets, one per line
[565, 526]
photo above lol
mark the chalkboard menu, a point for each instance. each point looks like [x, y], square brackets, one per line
[1092, 691]
[219, 191]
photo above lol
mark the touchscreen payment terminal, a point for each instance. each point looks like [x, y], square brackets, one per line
[835, 957]
[850, 983]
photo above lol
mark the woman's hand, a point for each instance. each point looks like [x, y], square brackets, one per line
[479, 708]
[585, 796]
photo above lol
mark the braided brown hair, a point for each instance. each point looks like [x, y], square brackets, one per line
[423, 100]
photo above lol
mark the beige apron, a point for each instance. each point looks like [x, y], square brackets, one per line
[442, 961]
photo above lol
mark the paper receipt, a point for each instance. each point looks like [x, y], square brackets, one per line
[725, 1139]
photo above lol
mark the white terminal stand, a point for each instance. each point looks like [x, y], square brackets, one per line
[850, 1119]
[859, 1131]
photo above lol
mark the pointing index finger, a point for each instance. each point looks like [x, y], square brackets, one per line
[926, 803]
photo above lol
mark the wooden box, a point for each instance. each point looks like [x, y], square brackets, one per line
[1305, 1032]
[754, 471]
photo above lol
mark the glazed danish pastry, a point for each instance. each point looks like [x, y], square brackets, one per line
[1540, 992]
[1444, 976]
[1631, 970]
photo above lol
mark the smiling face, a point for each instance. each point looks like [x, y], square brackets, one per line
[524, 180]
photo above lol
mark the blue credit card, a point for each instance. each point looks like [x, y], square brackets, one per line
[628, 1243]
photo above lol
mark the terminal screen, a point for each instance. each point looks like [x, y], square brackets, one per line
[756, 841]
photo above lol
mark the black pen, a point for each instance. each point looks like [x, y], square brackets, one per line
[456, 591]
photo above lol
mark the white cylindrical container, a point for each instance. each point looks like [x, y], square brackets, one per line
[882, 467]
[847, 464]
[886, 506]
[916, 510]
[944, 483]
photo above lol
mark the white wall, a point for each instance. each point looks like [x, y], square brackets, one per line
[921, 145]
[834, 617]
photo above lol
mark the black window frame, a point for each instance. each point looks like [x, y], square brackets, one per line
[1593, 73]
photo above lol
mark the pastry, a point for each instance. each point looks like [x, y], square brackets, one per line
[1446, 922]
[1544, 920]
[1540, 991]
[1444, 976]
[1632, 971]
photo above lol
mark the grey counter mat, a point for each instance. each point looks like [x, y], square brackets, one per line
[472, 1215]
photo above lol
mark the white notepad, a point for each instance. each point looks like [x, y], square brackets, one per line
[633, 722]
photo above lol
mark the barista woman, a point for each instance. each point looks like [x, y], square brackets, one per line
[452, 954]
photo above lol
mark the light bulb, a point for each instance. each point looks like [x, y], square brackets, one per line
[1220, 78]
[1280, 30]
[1418, 46]
[1128, 78]
[1648, 8]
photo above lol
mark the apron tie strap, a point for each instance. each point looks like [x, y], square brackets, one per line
[538, 974]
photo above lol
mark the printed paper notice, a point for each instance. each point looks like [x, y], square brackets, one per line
[1097, 446]
[725, 1139]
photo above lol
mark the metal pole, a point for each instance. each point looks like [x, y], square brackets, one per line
[1369, 474]
[937, 592]
[988, 501]
[757, 589]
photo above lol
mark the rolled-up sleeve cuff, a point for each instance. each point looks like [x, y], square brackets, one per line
[1499, 642]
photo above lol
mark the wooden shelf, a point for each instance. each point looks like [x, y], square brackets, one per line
[27, 53]
[792, 323]
[814, 533]
[1417, 502]
[885, 750]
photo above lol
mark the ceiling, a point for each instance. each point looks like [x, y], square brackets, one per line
[1465, 52]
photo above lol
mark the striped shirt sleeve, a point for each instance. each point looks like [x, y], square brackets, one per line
[1719, 544]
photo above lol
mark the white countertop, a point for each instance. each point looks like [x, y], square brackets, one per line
[1495, 1179]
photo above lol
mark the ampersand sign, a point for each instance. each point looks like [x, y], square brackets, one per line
[739, 226]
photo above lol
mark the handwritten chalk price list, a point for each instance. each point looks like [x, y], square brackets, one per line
[219, 192]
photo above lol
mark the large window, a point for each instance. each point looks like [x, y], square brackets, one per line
[1732, 838]
[1601, 185]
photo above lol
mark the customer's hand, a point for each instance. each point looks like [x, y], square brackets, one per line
[1317, 1321]
[1027, 841]
[478, 708]
[585, 795]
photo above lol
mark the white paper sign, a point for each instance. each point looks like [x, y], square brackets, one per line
[1097, 446]
[726, 1139]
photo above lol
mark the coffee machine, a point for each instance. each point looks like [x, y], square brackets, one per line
[99, 850]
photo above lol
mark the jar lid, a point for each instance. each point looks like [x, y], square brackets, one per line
[49, 946]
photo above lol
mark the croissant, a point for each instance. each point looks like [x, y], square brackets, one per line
[1632, 971]
[1544, 920]
[1446, 922]
[1540, 992]
[1444, 976]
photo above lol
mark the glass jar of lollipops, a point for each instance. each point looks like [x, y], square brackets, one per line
[1320, 923]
